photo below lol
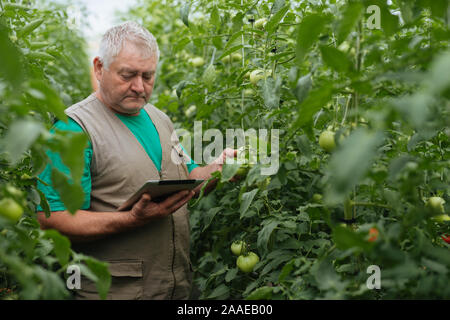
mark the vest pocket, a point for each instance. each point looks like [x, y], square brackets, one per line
[126, 280]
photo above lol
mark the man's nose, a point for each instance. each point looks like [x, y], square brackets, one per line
[137, 84]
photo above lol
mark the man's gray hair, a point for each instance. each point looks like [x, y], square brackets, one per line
[113, 39]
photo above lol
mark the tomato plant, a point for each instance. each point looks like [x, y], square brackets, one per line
[44, 69]
[307, 67]
[375, 84]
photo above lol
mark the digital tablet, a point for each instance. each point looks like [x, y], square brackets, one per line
[160, 189]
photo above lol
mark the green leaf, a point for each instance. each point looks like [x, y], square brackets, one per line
[50, 283]
[72, 195]
[247, 199]
[38, 44]
[415, 108]
[437, 81]
[229, 171]
[274, 21]
[406, 7]
[265, 233]
[326, 275]
[19, 138]
[44, 204]
[221, 292]
[262, 293]
[180, 86]
[61, 246]
[307, 33]
[345, 238]
[237, 22]
[439, 8]
[47, 98]
[389, 22]
[215, 17]
[209, 216]
[349, 163]
[11, 59]
[184, 13]
[230, 51]
[286, 270]
[316, 100]
[39, 55]
[350, 18]
[101, 272]
[335, 58]
[15, 6]
[231, 274]
[73, 157]
[435, 266]
[302, 88]
[277, 5]
[304, 145]
[233, 39]
[271, 92]
[30, 27]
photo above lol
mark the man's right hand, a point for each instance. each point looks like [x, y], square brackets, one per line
[145, 210]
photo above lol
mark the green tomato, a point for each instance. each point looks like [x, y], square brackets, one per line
[13, 191]
[262, 185]
[326, 140]
[25, 176]
[236, 56]
[260, 23]
[232, 57]
[242, 171]
[209, 76]
[237, 247]
[197, 61]
[249, 92]
[10, 209]
[317, 198]
[256, 75]
[190, 111]
[436, 204]
[247, 263]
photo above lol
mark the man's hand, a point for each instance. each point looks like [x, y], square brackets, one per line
[145, 210]
[205, 172]
[227, 153]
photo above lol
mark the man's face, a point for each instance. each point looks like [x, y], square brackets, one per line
[128, 83]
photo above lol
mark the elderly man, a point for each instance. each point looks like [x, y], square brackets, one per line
[147, 247]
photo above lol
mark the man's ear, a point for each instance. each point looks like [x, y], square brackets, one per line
[98, 68]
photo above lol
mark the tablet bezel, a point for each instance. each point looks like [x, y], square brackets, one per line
[160, 188]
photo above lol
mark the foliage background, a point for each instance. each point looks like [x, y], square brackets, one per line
[383, 91]
[44, 69]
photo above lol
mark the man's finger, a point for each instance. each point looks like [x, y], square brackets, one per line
[182, 202]
[143, 201]
[170, 201]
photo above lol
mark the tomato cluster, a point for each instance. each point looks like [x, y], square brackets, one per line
[246, 260]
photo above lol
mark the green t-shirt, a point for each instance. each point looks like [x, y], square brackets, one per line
[143, 129]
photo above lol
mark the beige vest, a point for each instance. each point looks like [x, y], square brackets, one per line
[151, 262]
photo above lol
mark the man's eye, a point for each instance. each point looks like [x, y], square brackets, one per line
[147, 77]
[127, 76]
